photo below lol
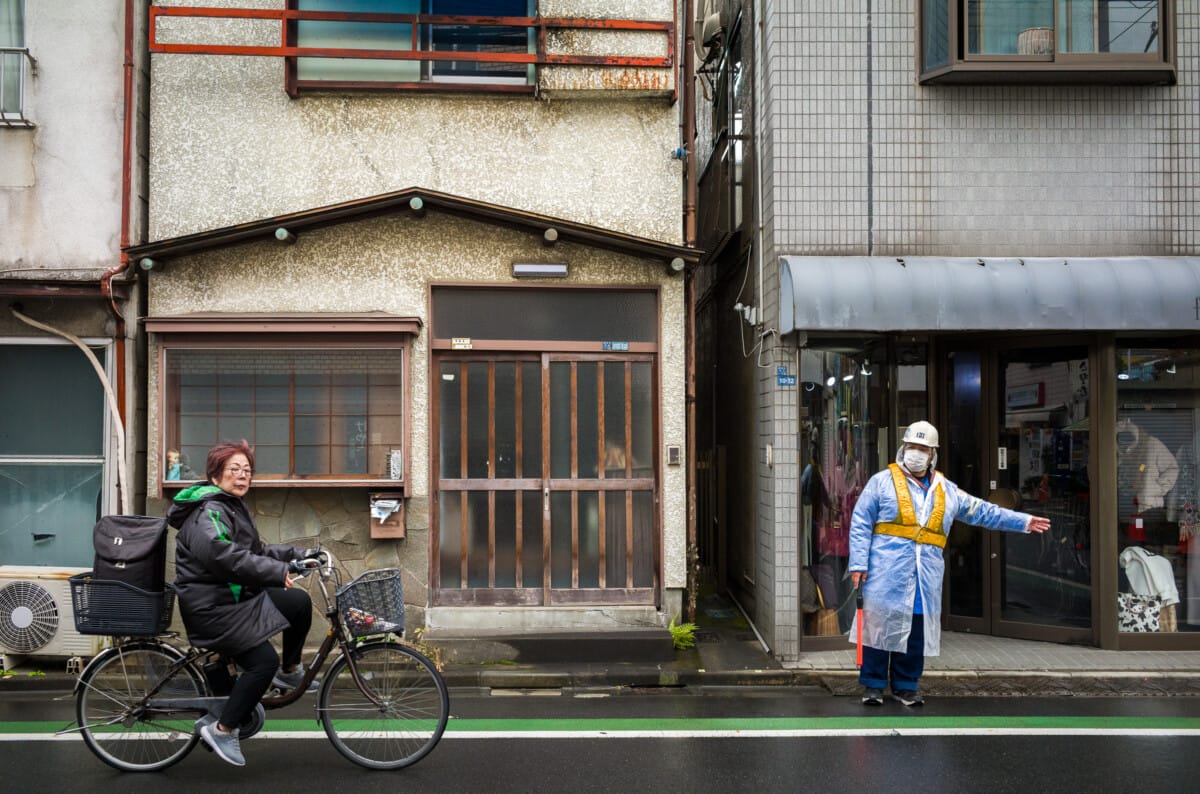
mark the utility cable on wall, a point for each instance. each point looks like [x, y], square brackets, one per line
[122, 477]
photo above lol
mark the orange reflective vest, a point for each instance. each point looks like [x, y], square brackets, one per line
[906, 524]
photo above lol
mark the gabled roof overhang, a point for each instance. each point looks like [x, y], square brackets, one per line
[415, 200]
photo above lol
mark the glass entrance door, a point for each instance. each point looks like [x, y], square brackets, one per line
[1019, 435]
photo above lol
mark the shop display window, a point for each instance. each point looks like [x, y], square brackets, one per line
[846, 437]
[1158, 404]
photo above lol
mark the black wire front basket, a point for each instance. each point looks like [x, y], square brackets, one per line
[373, 603]
[103, 606]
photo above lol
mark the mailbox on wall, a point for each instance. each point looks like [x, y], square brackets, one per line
[387, 515]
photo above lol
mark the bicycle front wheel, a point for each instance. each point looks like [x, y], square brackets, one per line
[397, 715]
[116, 723]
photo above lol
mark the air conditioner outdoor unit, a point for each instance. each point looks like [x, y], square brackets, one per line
[36, 618]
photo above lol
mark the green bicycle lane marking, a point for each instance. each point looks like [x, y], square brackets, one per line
[722, 724]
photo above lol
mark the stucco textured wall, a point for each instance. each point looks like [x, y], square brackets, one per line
[60, 182]
[228, 145]
[387, 264]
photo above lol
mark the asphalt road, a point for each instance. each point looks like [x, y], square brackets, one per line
[732, 740]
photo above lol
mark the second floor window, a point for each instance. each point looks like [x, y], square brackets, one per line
[417, 29]
[13, 58]
[1047, 41]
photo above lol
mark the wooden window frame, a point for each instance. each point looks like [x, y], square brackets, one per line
[176, 334]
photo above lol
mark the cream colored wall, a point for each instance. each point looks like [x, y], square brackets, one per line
[387, 264]
[228, 145]
[60, 181]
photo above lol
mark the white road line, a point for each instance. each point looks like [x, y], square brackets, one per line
[710, 734]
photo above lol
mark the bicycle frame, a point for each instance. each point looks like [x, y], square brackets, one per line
[212, 704]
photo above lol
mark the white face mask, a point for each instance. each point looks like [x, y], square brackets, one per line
[916, 461]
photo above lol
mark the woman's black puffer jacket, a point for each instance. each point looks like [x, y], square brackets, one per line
[221, 567]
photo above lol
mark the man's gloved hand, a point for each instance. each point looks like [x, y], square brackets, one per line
[312, 552]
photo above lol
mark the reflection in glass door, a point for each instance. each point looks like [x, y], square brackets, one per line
[1017, 434]
[1043, 468]
[546, 480]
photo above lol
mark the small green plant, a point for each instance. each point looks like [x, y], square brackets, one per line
[432, 652]
[682, 634]
[36, 674]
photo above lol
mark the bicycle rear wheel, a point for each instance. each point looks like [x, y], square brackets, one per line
[397, 716]
[115, 724]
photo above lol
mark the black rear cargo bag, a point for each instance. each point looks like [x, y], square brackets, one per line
[131, 549]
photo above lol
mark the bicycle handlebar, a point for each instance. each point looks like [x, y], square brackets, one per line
[322, 563]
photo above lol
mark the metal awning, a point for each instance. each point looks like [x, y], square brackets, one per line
[875, 293]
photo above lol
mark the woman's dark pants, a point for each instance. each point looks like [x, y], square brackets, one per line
[260, 662]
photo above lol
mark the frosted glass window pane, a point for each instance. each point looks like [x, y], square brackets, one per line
[450, 538]
[545, 314]
[506, 429]
[560, 420]
[47, 512]
[588, 419]
[614, 538]
[643, 539]
[589, 539]
[477, 539]
[236, 427]
[642, 416]
[506, 539]
[531, 539]
[615, 456]
[450, 450]
[478, 424]
[531, 421]
[560, 539]
[56, 404]
[270, 458]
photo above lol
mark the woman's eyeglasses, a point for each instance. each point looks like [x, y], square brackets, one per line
[238, 470]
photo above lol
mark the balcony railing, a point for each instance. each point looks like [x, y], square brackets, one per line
[423, 40]
[15, 64]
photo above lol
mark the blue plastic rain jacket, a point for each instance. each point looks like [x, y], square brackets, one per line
[896, 565]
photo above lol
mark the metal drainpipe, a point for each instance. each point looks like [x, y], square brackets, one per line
[689, 304]
[123, 264]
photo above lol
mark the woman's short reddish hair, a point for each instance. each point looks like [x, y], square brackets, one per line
[219, 455]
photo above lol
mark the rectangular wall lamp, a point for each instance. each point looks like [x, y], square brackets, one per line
[531, 270]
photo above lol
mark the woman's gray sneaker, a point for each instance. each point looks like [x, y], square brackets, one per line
[225, 745]
[292, 680]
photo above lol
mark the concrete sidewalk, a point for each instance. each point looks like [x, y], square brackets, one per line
[728, 653]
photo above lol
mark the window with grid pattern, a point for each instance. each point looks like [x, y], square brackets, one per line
[311, 413]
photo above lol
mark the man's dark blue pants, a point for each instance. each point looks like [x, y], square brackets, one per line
[903, 670]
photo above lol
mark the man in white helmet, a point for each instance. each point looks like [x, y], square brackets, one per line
[897, 534]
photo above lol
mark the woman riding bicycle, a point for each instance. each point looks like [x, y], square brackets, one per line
[235, 592]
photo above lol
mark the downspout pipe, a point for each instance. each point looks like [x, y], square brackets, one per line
[689, 303]
[119, 424]
[117, 400]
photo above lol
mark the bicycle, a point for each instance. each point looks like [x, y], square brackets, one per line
[138, 704]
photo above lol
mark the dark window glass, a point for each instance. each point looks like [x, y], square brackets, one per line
[545, 314]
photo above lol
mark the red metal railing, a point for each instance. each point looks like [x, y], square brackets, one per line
[541, 25]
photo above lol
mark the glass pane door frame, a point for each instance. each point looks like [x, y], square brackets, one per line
[992, 412]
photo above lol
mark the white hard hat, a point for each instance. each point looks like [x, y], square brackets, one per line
[921, 433]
